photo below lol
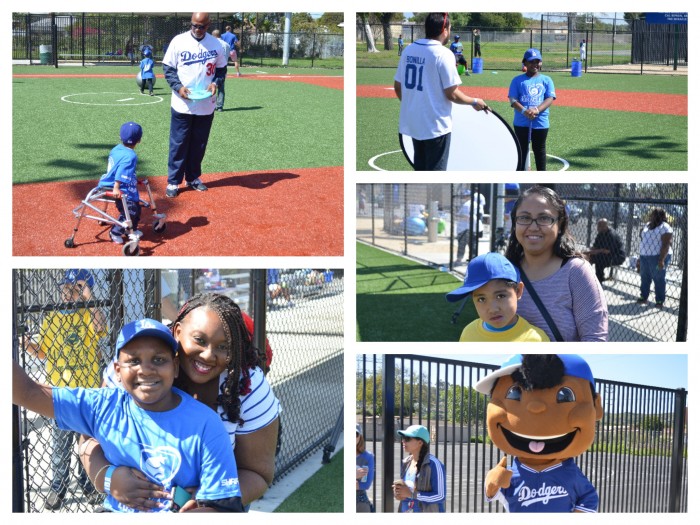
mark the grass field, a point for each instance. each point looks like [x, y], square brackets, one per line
[402, 300]
[586, 137]
[322, 492]
[266, 124]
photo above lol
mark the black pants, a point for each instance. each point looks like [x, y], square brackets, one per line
[477, 50]
[539, 146]
[601, 261]
[431, 154]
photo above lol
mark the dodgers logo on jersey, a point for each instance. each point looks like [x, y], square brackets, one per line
[528, 496]
[160, 463]
[188, 58]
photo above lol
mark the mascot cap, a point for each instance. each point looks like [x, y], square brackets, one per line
[574, 366]
[416, 431]
[358, 429]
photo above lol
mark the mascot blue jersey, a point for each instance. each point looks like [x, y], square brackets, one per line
[121, 167]
[186, 446]
[560, 488]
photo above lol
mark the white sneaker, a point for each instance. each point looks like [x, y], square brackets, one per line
[116, 238]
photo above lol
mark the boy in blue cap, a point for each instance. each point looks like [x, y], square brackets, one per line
[121, 177]
[147, 75]
[149, 425]
[543, 411]
[530, 96]
[495, 286]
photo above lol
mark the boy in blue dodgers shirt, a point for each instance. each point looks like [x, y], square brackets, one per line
[147, 75]
[530, 96]
[495, 286]
[121, 178]
[149, 425]
[543, 411]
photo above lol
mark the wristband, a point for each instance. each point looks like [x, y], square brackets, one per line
[523, 111]
[108, 478]
[475, 102]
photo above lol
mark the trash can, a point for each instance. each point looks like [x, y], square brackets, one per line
[576, 68]
[477, 65]
[45, 55]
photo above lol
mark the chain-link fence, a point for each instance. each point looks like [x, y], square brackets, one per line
[610, 45]
[65, 335]
[423, 221]
[109, 37]
[638, 461]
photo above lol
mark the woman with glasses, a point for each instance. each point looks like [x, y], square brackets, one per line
[364, 472]
[423, 484]
[542, 247]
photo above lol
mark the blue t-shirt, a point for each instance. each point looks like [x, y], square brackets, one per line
[230, 39]
[147, 68]
[121, 166]
[186, 446]
[561, 488]
[366, 459]
[531, 92]
[457, 48]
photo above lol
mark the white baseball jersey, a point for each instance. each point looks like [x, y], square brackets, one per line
[426, 69]
[196, 62]
[224, 44]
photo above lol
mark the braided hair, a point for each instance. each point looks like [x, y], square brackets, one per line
[424, 450]
[242, 355]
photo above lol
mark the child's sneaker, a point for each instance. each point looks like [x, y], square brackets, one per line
[197, 184]
[116, 238]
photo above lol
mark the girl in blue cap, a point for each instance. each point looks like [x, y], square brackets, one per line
[530, 96]
[423, 484]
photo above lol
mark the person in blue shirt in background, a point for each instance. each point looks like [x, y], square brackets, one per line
[121, 177]
[530, 96]
[147, 75]
[364, 472]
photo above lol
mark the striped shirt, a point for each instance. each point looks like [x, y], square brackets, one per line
[259, 408]
[574, 299]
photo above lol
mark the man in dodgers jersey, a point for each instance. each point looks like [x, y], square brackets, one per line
[426, 83]
[194, 61]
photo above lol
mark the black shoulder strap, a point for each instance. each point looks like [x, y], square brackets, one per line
[541, 307]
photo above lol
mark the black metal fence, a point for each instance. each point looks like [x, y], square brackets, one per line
[637, 48]
[303, 324]
[638, 462]
[53, 39]
[420, 221]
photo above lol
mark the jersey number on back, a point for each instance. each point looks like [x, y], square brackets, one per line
[414, 77]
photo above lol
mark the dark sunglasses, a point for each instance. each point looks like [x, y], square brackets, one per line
[406, 438]
[199, 26]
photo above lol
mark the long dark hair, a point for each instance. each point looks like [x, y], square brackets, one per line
[424, 451]
[657, 217]
[242, 355]
[564, 246]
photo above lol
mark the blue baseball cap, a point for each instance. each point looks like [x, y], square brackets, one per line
[532, 54]
[142, 328]
[456, 37]
[574, 366]
[147, 52]
[416, 431]
[130, 133]
[481, 270]
[73, 276]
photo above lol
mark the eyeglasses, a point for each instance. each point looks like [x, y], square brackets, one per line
[542, 220]
[199, 26]
[406, 438]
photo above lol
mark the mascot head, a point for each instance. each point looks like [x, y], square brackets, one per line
[543, 408]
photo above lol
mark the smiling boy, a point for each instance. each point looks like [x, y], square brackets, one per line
[495, 286]
[148, 425]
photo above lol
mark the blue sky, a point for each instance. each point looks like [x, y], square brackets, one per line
[661, 370]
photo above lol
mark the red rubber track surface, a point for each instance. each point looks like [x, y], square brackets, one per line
[608, 100]
[298, 212]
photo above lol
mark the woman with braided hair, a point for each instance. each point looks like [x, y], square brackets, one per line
[423, 484]
[221, 368]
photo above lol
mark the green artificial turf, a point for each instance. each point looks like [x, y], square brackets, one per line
[402, 300]
[266, 125]
[322, 492]
[588, 139]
